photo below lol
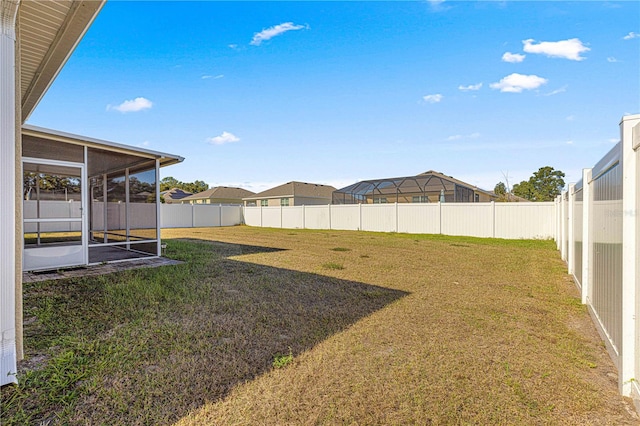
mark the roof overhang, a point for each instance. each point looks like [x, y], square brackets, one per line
[48, 32]
[48, 134]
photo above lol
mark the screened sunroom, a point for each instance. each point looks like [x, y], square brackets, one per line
[87, 201]
[427, 187]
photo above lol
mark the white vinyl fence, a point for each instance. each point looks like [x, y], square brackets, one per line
[197, 215]
[599, 238]
[497, 220]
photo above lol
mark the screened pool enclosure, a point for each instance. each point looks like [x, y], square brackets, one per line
[87, 201]
[427, 187]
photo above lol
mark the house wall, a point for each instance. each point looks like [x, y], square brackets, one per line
[214, 201]
[309, 201]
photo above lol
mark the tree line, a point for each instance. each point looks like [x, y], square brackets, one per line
[193, 187]
[544, 185]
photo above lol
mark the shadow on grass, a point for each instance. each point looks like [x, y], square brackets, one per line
[148, 346]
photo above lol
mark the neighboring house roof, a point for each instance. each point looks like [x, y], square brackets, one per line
[457, 181]
[49, 32]
[295, 189]
[220, 192]
[175, 194]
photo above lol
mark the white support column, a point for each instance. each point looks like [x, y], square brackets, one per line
[571, 262]
[587, 204]
[158, 211]
[8, 184]
[630, 267]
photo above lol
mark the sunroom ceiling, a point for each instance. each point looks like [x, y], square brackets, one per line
[48, 32]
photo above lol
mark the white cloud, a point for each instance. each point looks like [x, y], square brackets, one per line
[570, 117]
[568, 49]
[144, 144]
[225, 137]
[133, 105]
[516, 83]
[612, 59]
[475, 135]
[276, 30]
[555, 92]
[470, 87]
[614, 140]
[433, 99]
[437, 5]
[631, 36]
[233, 46]
[569, 142]
[513, 57]
[215, 77]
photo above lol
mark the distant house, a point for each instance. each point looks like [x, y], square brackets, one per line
[427, 187]
[174, 195]
[218, 195]
[292, 194]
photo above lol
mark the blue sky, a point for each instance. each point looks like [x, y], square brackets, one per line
[255, 94]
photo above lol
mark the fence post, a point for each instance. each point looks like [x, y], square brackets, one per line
[440, 217]
[193, 215]
[587, 202]
[280, 216]
[563, 227]
[220, 214]
[493, 214]
[360, 214]
[396, 216]
[304, 217]
[260, 215]
[627, 378]
[570, 237]
[558, 227]
[329, 205]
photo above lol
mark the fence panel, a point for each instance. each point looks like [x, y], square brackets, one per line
[231, 215]
[606, 298]
[419, 218]
[205, 215]
[293, 217]
[469, 219]
[346, 217]
[379, 217]
[577, 234]
[271, 217]
[197, 215]
[176, 216]
[317, 217]
[525, 220]
[252, 216]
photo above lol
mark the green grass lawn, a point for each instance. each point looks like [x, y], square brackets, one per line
[264, 326]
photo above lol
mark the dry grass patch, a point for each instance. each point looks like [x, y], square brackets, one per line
[254, 329]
